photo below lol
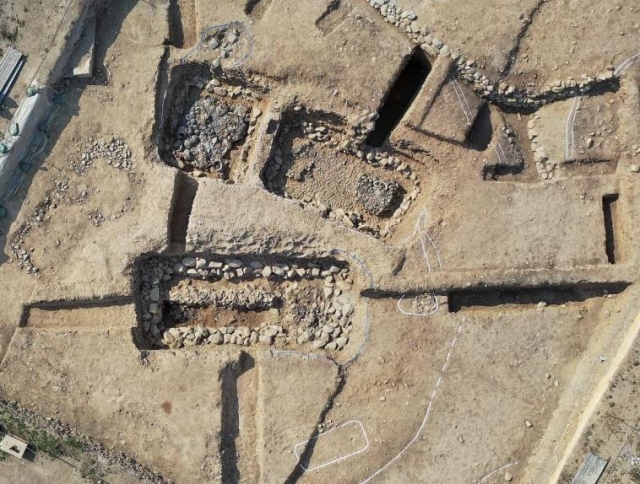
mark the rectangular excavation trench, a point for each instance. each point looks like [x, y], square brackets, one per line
[400, 96]
[530, 296]
[609, 205]
[184, 195]
[236, 452]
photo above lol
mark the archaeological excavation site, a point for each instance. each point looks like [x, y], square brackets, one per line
[319, 241]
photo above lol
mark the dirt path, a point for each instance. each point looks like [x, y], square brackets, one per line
[598, 394]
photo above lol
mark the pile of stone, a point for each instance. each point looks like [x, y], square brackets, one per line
[115, 151]
[240, 299]
[320, 318]
[24, 259]
[377, 196]
[230, 41]
[208, 131]
[502, 93]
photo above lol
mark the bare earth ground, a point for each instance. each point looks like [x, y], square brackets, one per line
[494, 333]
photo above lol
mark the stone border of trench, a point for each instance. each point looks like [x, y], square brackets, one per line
[333, 334]
[323, 132]
[500, 92]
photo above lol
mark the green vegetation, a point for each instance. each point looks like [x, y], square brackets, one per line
[92, 472]
[39, 440]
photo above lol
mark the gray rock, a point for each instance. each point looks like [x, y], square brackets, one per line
[265, 339]
[216, 338]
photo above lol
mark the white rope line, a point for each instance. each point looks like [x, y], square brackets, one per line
[571, 119]
[426, 416]
[424, 252]
[502, 157]
[569, 132]
[626, 64]
[496, 471]
[339, 459]
[422, 234]
[426, 234]
[464, 104]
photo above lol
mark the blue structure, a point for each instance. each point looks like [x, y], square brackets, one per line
[10, 67]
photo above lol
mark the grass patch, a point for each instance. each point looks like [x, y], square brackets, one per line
[39, 440]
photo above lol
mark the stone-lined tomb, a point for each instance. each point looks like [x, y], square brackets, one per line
[183, 301]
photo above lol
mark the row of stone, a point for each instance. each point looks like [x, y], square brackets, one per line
[329, 338]
[502, 93]
[231, 268]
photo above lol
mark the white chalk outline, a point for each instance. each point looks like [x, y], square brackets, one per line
[569, 132]
[428, 412]
[339, 459]
[462, 99]
[409, 313]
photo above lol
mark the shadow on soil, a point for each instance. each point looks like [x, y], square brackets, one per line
[231, 416]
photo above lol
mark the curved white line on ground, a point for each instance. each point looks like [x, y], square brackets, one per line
[339, 459]
[426, 234]
[626, 64]
[427, 413]
[496, 471]
[569, 135]
[422, 233]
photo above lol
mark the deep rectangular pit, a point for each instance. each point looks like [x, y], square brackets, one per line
[530, 296]
[609, 204]
[400, 97]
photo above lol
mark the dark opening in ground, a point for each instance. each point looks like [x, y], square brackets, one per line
[400, 97]
[230, 417]
[176, 32]
[609, 203]
[184, 195]
[480, 135]
[489, 297]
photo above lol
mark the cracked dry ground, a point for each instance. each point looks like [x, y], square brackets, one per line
[328, 241]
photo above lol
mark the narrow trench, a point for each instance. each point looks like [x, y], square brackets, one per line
[530, 296]
[176, 32]
[306, 455]
[184, 195]
[182, 23]
[230, 416]
[250, 6]
[256, 8]
[609, 204]
[400, 96]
